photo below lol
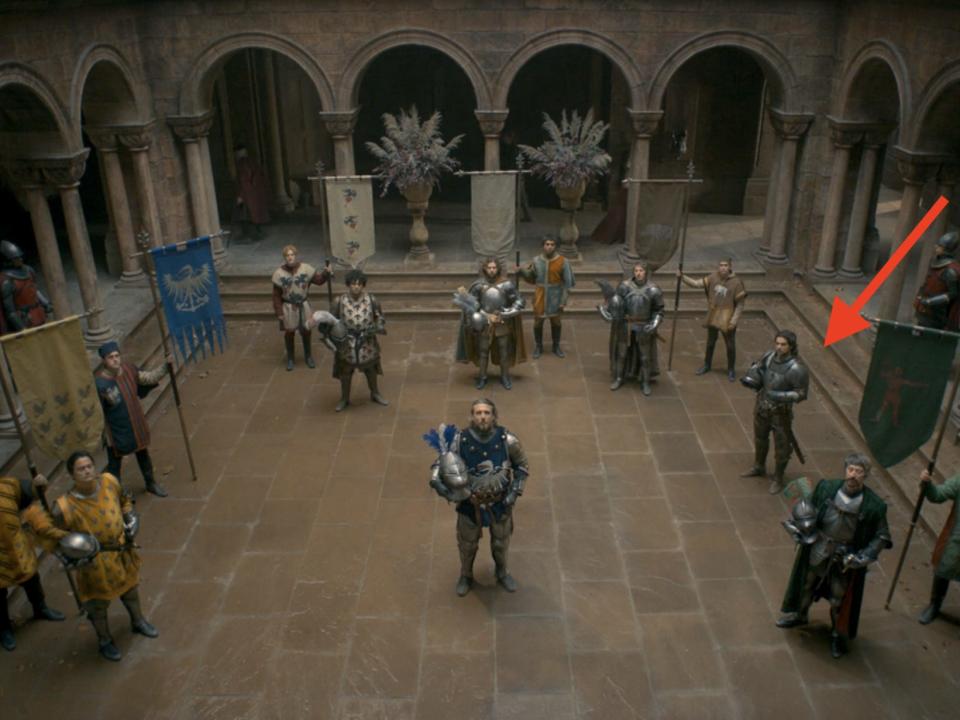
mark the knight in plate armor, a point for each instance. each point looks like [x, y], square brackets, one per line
[490, 327]
[483, 470]
[291, 285]
[938, 301]
[363, 320]
[831, 563]
[780, 381]
[24, 306]
[634, 311]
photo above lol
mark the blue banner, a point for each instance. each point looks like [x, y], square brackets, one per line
[191, 298]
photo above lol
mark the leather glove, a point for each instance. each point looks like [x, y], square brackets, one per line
[440, 489]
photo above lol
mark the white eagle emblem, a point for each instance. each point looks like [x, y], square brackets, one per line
[190, 289]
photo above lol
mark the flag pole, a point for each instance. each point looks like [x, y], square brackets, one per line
[143, 239]
[683, 243]
[922, 496]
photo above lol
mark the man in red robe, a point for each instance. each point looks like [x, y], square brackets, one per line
[252, 206]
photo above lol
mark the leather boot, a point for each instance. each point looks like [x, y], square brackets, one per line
[505, 377]
[138, 623]
[7, 641]
[555, 336]
[838, 645]
[645, 382]
[617, 382]
[288, 343]
[344, 392]
[41, 611]
[481, 382]
[537, 341]
[759, 461]
[731, 361]
[374, 392]
[98, 618]
[464, 584]
[467, 556]
[307, 355]
[777, 483]
[937, 594]
[707, 358]
[153, 487]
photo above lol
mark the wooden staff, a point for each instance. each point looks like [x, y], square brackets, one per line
[683, 243]
[922, 496]
[143, 239]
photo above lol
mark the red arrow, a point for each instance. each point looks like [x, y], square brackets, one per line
[845, 319]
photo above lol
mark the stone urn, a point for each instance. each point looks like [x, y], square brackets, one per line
[418, 200]
[570, 197]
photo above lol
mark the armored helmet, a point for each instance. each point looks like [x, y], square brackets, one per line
[478, 321]
[454, 476]
[803, 522]
[949, 242]
[11, 252]
[78, 546]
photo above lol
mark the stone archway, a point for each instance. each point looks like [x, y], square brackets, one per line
[618, 56]
[121, 96]
[349, 86]
[931, 128]
[32, 121]
[876, 64]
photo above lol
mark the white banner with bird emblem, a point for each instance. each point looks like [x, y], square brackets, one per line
[53, 380]
[190, 295]
[350, 205]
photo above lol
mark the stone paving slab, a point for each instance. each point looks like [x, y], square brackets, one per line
[310, 570]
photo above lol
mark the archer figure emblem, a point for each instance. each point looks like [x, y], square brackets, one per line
[891, 397]
[190, 289]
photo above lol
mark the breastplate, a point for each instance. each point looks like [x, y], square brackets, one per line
[837, 527]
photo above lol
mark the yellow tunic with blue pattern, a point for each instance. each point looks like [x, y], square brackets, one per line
[110, 574]
[18, 561]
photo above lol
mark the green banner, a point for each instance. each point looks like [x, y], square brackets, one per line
[901, 401]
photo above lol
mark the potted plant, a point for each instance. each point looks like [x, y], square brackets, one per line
[570, 158]
[412, 157]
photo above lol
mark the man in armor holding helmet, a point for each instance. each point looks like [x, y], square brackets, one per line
[634, 311]
[483, 469]
[840, 531]
[936, 302]
[780, 382]
[490, 328]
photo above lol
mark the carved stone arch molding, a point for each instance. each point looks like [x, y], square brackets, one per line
[39, 139]
[196, 93]
[777, 69]
[616, 54]
[887, 53]
[947, 76]
[349, 86]
[134, 109]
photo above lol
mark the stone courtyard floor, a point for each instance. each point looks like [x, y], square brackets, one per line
[309, 572]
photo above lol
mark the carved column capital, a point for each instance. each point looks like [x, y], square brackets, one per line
[104, 139]
[644, 122]
[916, 168]
[491, 121]
[876, 134]
[790, 126]
[65, 171]
[845, 133]
[23, 174]
[190, 128]
[339, 123]
[135, 137]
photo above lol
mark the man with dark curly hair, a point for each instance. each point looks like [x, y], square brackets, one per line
[363, 319]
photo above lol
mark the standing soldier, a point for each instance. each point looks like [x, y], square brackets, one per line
[24, 306]
[120, 386]
[493, 332]
[780, 382]
[843, 528]
[725, 299]
[553, 277]
[496, 470]
[18, 560]
[634, 311]
[363, 319]
[937, 303]
[97, 514]
[291, 285]
[946, 553]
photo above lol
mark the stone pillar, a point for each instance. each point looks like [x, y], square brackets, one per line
[491, 125]
[947, 179]
[213, 206]
[644, 124]
[137, 140]
[108, 150]
[65, 174]
[915, 170]
[770, 209]
[845, 136]
[273, 136]
[340, 125]
[790, 127]
[860, 214]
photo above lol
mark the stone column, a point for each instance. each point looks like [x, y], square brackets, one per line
[790, 127]
[845, 136]
[491, 125]
[947, 179]
[915, 170]
[108, 149]
[65, 174]
[770, 209]
[136, 139]
[340, 125]
[273, 136]
[860, 214]
[189, 130]
[644, 124]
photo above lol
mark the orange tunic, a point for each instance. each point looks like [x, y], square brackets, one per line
[18, 561]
